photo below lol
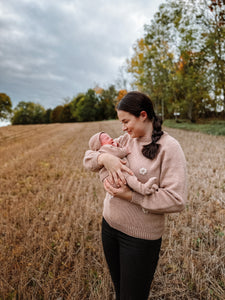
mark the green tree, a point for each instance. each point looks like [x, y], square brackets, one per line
[5, 106]
[28, 113]
[214, 23]
[106, 105]
[153, 62]
[66, 115]
[191, 90]
[47, 116]
[191, 84]
[74, 104]
[87, 107]
[137, 66]
[56, 114]
[174, 39]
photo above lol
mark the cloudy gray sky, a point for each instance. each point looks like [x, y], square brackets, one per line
[53, 49]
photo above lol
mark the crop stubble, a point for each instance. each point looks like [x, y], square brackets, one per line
[50, 216]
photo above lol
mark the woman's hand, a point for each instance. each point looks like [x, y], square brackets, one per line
[123, 191]
[115, 166]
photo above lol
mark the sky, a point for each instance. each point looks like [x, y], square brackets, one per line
[54, 49]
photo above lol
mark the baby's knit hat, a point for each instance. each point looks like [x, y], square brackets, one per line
[94, 142]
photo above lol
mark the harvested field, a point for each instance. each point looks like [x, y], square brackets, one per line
[50, 215]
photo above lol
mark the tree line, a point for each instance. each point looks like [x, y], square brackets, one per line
[179, 63]
[94, 105]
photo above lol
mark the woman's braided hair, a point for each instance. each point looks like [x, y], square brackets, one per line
[135, 103]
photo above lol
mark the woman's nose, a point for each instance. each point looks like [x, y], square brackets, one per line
[124, 127]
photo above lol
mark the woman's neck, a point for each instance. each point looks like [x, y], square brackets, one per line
[147, 135]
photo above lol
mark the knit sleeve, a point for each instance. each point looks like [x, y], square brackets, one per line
[90, 160]
[120, 152]
[172, 192]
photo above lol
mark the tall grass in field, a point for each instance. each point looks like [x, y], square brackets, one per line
[50, 218]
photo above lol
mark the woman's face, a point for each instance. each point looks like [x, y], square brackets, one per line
[134, 126]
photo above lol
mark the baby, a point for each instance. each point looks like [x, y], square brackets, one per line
[103, 143]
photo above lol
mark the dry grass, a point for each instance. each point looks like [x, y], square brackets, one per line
[50, 215]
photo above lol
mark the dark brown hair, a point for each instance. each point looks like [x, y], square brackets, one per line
[135, 103]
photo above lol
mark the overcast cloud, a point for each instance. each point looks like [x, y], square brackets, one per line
[53, 49]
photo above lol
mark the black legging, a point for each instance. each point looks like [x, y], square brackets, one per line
[131, 261]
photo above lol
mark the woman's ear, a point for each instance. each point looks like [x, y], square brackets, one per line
[143, 115]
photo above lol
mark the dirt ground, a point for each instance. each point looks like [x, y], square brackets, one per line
[50, 216]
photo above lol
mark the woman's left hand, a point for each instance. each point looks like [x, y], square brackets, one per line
[123, 191]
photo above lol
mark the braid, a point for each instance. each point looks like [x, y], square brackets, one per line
[151, 150]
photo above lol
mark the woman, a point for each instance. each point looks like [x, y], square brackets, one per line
[133, 224]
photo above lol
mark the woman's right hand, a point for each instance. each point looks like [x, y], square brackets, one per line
[115, 166]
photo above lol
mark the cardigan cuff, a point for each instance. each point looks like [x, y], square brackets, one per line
[95, 165]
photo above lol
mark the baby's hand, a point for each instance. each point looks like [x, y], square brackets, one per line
[155, 187]
[127, 149]
[151, 186]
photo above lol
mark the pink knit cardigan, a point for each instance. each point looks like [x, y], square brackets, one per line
[144, 216]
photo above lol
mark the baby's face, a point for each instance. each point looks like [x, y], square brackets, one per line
[105, 139]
